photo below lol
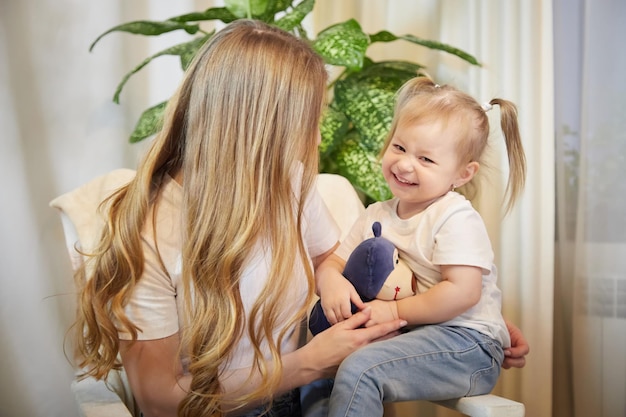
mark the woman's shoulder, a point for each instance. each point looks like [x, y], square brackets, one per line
[163, 228]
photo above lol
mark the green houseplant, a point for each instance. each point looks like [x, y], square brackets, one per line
[361, 96]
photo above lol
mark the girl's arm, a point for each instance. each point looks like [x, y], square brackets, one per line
[317, 261]
[459, 290]
[335, 291]
[158, 383]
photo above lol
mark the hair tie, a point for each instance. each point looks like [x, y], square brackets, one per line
[486, 107]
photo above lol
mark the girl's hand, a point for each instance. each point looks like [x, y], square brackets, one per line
[336, 294]
[335, 291]
[382, 311]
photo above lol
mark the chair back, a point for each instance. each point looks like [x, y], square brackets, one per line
[82, 224]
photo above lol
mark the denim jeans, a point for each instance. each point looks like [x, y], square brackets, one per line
[427, 363]
[287, 405]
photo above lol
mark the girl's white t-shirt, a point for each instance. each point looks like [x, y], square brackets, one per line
[449, 232]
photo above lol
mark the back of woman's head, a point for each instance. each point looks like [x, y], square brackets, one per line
[253, 99]
[422, 100]
[248, 109]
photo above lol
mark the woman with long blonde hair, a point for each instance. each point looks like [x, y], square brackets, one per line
[204, 270]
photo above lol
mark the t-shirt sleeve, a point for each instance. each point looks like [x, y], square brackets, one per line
[322, 232]
[152, 306]
[461, 239]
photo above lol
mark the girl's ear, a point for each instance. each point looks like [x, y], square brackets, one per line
[467, 173]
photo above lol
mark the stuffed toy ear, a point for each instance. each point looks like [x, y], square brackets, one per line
[370, 263]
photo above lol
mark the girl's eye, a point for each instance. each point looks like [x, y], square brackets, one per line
[398, 148]
[428, 160]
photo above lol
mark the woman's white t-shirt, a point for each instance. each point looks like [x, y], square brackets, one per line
[156, 306]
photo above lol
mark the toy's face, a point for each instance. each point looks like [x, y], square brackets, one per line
[400, 283]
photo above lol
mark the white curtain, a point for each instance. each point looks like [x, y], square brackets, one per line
[59, 129]
[590, 313]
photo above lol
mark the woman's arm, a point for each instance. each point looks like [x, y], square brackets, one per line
[156, 376]
[321, 356]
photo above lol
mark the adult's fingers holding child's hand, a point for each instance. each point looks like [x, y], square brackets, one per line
[334, 344]
[355, 298]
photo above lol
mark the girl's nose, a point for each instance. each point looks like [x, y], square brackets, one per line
[405, 164]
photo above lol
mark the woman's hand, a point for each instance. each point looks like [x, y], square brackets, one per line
[330, 347]
[514, 357]
[382, 311]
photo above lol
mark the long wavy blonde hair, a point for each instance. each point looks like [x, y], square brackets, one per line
[421, 99]
[246, 113]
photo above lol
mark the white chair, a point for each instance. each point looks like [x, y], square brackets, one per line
[81, 224]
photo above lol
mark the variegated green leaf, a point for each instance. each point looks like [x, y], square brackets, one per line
[333, 128]
[400, 69]
[300, 32]
[246, 9]
[186, 51]
[281, 5]
[149, 28]
[149, 123]
[343, 44]
[190, 49]
[294, 17]
[215, 13]
[385, 36]
[368, 97]
[361, 167]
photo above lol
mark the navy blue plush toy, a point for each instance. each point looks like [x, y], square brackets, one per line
[376, 272]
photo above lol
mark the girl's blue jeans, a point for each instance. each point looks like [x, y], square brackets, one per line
[427, 363]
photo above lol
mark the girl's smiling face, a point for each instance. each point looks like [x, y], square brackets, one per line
[421, 164]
